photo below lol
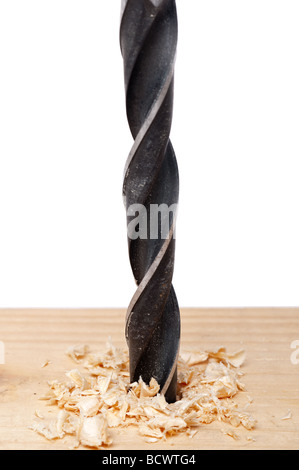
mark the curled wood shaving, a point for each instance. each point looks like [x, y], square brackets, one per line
[77, 352]
[99, 397]
[236, 359]
[287, 416]
[93, 432]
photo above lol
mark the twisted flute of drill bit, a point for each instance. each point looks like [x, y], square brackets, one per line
[148, 39]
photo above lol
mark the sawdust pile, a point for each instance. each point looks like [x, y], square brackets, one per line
[100, 397]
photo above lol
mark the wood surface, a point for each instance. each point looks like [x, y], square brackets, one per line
[33, 336]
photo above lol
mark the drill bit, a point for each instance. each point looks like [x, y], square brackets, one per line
[148, 40]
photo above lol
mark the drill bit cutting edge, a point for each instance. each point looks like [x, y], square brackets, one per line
[148, 40]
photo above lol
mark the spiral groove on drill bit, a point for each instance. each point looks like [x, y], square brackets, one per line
[148, 39]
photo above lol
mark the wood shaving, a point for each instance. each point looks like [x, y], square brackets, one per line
[236, 359]
[77, 352]
[93, 432]
[38, 414]
[99, 397]
[45, 364]
[288, 415]
[231, 434]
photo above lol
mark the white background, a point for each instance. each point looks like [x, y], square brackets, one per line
[64, 140]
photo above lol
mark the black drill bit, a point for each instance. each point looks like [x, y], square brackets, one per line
[148, 39]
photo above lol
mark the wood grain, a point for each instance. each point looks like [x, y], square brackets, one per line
[32, 336]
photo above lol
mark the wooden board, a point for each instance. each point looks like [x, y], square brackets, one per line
[271, 377]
